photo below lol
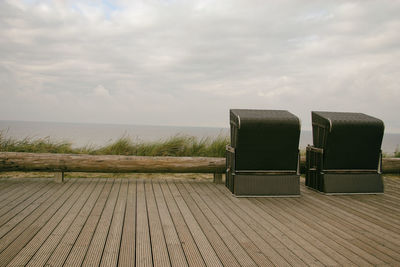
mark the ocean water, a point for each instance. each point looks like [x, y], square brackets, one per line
[82, 134]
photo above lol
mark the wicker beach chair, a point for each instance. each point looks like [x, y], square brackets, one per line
[263, 158]
[346, 156]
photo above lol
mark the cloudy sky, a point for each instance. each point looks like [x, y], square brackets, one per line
[186, 63]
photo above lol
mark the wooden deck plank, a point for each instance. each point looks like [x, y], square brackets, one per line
[361, 245]
[72, 204]
[347, 223]
[189, 246]
[13, 228]
[271, 219]
[278, 242]
[12, 218]
[239, 253]
[392, 193]
[176, 253]
[12, 193]
[124, 222]
[144, 255]
[252, 247]
[329, 242]
[360, 211]
[392, 183]
[5, 184]
[385, 203]
[350, 230]
[380, 206]
[34, 223]
[13, 210]
[10, 189]
[72, 249]
[66, 226]
[158, 244]
[111, 249]
[355, 223]
[128, 239]
[18, 197]
[275, 215]
[392, 180]
[209, 255]
[220, 248]
[97, 244]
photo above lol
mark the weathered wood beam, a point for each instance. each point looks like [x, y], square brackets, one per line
[391, 165]
[17, 161]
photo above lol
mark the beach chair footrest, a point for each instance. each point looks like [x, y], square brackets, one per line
[265, 185]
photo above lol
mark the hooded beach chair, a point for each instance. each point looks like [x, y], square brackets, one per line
[263, 158]
[346, 156]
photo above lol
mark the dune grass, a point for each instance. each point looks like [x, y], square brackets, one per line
[178, 146]
[397, 152]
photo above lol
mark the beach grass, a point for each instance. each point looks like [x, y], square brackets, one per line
[178, 145]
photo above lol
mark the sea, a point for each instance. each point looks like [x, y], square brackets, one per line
[96, 135]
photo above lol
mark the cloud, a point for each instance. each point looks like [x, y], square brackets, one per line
[99, 90]
[188, 62]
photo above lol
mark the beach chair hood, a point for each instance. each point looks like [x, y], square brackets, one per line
[349, 140]
[265, 139]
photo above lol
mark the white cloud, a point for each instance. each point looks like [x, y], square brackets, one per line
[99, 90]
[188, 62]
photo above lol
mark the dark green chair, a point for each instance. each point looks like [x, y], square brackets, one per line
[263, 158]
[346, 156]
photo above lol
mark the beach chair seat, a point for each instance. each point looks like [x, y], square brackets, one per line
[346, 153]
[263, 158]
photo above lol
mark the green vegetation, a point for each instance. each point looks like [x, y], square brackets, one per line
[397, 152]
[178, 145]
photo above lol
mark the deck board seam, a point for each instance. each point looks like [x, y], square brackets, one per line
[202, 236]
[27, 206]
[345, 221]
[68, 207]
[329, 245]
[159, 218]
[276, 257]
[111, 220]
[164, 201]
[107, 193]
[189, 196]
[61, 237]
[67, 193]
[357, 222]
[166, 189]
[22, 221]
[97, 222]
[20, 198]
[212, 213]
[256, 247]
[100, 244]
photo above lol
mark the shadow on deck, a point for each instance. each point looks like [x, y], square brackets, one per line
[112, 222]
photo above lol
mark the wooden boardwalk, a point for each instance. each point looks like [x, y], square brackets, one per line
[130, 222]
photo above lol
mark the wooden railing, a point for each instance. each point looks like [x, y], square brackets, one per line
[60, 163]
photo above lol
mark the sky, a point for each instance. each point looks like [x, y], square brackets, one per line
[186, 63]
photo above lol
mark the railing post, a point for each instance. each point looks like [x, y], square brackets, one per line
[218, 178]
[59, 177]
